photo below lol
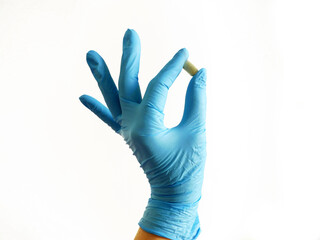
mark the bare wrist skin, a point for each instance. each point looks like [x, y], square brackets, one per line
[143, 235]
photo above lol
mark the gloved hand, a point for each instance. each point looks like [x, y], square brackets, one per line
[173, 159]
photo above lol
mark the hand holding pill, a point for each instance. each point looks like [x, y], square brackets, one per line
[173, 159]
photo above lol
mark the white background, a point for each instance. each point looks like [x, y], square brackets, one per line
[65, 175]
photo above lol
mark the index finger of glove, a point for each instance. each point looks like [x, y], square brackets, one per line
[157, 90]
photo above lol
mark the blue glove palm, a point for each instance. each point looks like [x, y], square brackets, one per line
[172, 159]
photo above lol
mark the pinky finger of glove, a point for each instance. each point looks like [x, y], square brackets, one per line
[100, 110]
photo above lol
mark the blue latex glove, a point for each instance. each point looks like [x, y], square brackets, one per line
[173, 159]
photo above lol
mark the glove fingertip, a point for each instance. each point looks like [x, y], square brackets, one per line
[92, 59]
[201, 77]
[184, 51]
[202, 72]
[85, 100]
[82, 98]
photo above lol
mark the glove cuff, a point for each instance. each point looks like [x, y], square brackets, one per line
[171, 220]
